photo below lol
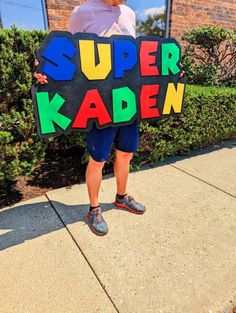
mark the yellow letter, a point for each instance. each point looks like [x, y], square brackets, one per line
[174, 98]
[87, 58]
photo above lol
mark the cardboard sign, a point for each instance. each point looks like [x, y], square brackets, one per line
[108, 81]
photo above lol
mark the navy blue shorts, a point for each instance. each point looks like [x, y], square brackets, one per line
[99, 141]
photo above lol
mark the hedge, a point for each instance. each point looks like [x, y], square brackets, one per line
[209, 115]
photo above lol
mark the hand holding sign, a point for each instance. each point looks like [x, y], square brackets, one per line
[42, 79]
[109, 81]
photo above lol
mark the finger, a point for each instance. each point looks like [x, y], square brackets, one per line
[37, 74]
[40, 80]
[43, 80]
[36, 62]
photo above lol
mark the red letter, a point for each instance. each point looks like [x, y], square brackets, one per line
[86, 112]
[147, 104]
[146, 60]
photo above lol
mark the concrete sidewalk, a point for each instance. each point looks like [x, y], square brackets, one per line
[180, 256]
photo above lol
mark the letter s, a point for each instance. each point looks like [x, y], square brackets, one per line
[58, 66]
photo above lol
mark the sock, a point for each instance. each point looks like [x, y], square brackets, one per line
[93, 207]
[120, 197]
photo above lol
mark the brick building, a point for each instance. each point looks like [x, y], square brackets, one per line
[187, 14]
[58, 12]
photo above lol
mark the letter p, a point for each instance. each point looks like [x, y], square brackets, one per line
[125, 57]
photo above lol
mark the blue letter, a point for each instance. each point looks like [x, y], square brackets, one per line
[58, 66]
[125, 57]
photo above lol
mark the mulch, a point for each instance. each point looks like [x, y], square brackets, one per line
[61, 168]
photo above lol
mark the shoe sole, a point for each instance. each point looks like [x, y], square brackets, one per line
[93, 229]
[123, 206]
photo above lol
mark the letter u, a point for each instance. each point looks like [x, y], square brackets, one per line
[87, 58]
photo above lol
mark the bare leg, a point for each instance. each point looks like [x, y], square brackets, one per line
[93, 179]
[121, 170]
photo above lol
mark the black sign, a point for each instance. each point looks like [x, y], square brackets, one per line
[108, 81]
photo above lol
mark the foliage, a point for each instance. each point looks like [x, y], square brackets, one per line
[210, 56]
[209, 117]
[20, 147]
[17, 54]
[154, 25]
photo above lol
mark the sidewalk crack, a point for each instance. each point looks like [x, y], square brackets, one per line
[86, 259]
[202, 180]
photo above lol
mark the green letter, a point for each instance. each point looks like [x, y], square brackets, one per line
[48, 112]
[119, 96]
[170, 57]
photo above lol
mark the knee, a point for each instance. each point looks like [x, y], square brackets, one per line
[124, 156]
[95, 165]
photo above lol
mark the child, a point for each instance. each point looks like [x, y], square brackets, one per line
[105, 18]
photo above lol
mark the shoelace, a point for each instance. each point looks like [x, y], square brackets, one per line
[131, 201]
[98, 215]
[130, 198]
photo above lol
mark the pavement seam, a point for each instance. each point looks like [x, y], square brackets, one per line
[202, 180]
[86, 259]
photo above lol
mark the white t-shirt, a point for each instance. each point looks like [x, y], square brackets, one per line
[98, 17]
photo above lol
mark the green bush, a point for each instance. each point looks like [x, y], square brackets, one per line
[17, 54]
[20, 147]
[210, 56]
[209, 115]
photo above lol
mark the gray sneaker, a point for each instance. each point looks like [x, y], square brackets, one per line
[96, 222]
[130, 204]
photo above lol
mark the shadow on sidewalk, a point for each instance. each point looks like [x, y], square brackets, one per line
[30, 221]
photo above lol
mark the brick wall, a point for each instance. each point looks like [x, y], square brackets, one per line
[187, 14]
[59, 11]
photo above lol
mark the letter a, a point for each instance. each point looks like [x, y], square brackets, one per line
[86, 111]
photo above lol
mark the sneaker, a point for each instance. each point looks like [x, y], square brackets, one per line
[130, 204]
[96, 222]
